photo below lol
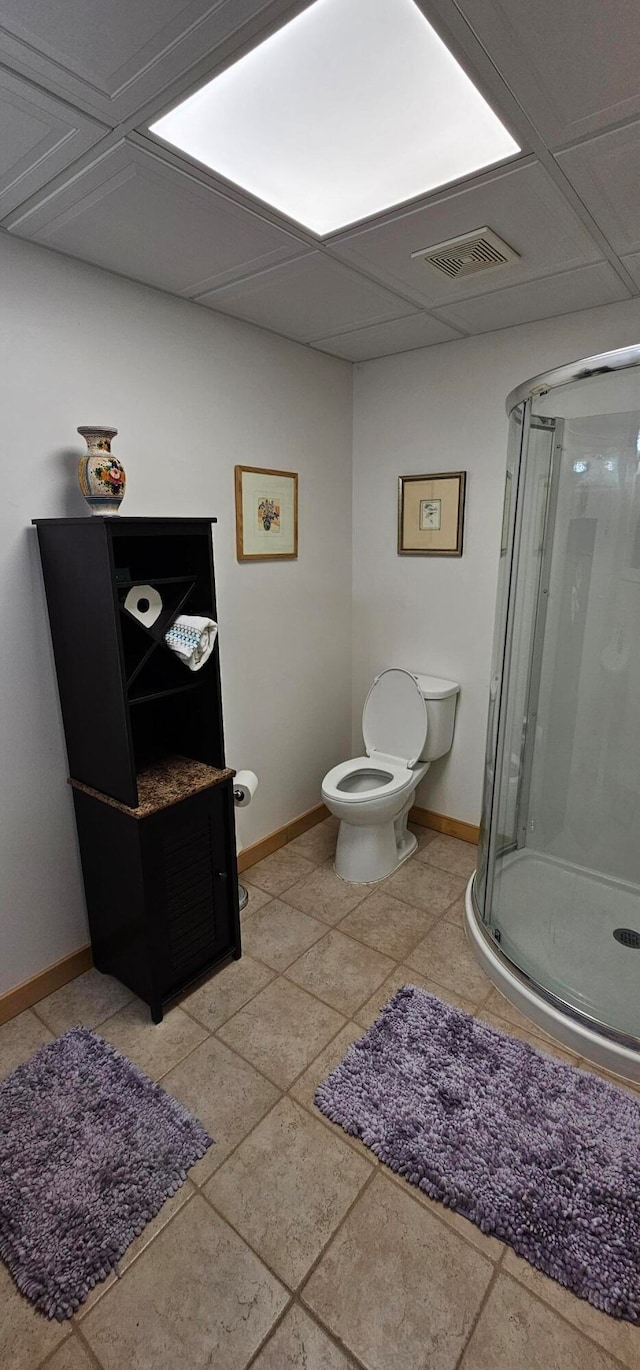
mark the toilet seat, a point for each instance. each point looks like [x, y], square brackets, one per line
[394, 718]
[398, 774]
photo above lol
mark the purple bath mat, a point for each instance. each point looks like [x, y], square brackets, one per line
[90, 1148]
[542, 1155]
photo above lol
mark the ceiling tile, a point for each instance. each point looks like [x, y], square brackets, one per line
[39, 137]
[561, 294]
[522, 205]
[111, 58]
[132, 213]
[606, 173]
[309, 298]
[383, 339]
[632, 264]
[573, 66]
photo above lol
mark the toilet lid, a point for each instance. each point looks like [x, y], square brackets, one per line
[394, 718]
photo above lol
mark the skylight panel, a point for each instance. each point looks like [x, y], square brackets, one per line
[352, 107]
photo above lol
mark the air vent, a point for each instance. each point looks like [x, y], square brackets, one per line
[481, 250]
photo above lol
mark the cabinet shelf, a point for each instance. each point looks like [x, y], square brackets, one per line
[152, 580]
[162, 694]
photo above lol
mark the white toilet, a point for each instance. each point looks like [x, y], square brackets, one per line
[407, 722]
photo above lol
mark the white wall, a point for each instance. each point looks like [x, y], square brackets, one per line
[192, 394]
[438, 409]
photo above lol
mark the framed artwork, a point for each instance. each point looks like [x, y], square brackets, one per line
[266, 514]
[431, 514]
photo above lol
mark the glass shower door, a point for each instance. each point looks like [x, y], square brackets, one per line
[560, 876]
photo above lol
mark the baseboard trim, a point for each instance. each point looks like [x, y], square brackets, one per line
[274, 840]
[30, 992]
[453, 827]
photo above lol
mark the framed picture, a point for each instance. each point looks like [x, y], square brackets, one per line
[266, 514]
[431, 514]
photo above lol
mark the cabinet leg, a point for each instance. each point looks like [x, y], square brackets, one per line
[156, 1012]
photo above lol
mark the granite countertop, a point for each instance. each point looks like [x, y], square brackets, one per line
[163, 783]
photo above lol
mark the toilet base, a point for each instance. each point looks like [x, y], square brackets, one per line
[367, 854]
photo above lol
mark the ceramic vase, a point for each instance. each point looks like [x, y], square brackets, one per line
[100, 475]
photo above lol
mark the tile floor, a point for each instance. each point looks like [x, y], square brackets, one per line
[290, 1246]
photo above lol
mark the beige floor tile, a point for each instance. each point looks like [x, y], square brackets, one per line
[278, 934]
[489, 1246]
[257, 898]
[154, 1047]
[281, 1030]
[299, 1344]
[227, 990]
[524, 1034]
[157, 1225]
[428, 888]
[279, 871]
[324, 895]
[450, 854]
[342, 972]
[404, 975]
[317, 844]
[387, 925]
[225, 1093]
[138, 1245]
[19, 1039]
[619, 1338]
[445, 957]
[396, 1286]
[456, 914]
[88, 1000]
[197, 1297]
[286, 1188]
[26, 1337]
[71, 1356]
[305, 1087]
[517, 1332]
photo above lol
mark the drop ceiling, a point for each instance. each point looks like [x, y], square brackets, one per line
[82, 80]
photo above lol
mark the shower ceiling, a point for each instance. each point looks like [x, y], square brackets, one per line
[80, 172]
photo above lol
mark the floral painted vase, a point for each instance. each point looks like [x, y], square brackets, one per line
[101, 477]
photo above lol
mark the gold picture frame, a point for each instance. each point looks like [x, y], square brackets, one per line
[431, 514]
[266, 514]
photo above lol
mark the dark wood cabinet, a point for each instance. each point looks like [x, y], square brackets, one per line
[152, 795]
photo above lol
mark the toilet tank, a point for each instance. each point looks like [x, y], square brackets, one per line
[440, 696]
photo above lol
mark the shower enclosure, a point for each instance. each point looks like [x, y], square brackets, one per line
[554, 908]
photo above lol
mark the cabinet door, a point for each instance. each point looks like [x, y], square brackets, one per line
[189, 876]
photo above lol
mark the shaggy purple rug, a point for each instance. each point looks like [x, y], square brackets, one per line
[544, 1156]
[90, 1148]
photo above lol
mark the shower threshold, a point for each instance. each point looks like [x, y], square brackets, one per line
[557, 958]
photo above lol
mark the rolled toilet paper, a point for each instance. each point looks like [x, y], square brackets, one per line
[245, 785]
[144, 602]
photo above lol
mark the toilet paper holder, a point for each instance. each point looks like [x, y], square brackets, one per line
[243, 792]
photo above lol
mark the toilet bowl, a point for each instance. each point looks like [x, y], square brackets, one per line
[407, 722]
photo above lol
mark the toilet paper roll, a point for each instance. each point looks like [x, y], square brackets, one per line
[144, 602]
[245, 785]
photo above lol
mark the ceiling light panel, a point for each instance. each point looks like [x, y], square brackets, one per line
[353, 107]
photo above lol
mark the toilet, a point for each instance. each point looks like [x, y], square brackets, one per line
[407, 722]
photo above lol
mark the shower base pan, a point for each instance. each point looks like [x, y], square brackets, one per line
[564, 930]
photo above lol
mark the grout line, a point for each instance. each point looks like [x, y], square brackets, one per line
[42, 1364]
[483, 1303]
[212, 1031]
[578, 1331]
[313, 1317]
[86, 1347]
